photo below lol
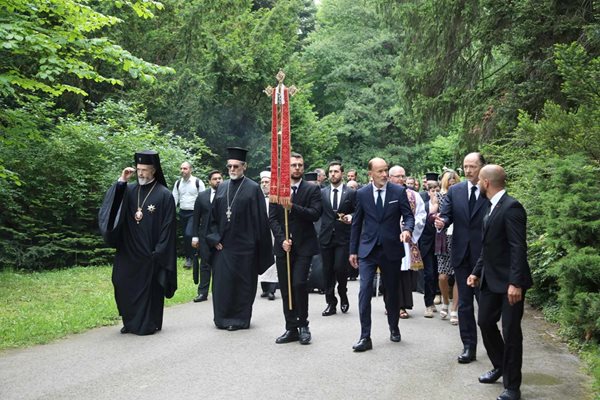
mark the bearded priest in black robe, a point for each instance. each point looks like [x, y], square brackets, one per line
[239, 232]
[138, 219]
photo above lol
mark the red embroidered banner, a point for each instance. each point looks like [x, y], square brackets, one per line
[285, 179]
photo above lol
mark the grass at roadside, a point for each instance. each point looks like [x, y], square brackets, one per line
[39, 307]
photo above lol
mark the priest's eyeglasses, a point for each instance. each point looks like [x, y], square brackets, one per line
[296, 165]
[233, 166]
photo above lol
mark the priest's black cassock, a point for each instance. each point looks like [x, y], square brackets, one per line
[247, 250]
[144, 270]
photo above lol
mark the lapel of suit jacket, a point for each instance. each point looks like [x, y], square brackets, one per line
[300, 191]
[369, 204]
[388, 197]
[343, 194]
[461, 198]
[497, 210]
[478, 204]
[327, 200]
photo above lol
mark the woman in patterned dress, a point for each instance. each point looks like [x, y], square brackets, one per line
[443, 248]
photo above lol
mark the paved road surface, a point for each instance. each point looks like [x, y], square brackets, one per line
[190, 359]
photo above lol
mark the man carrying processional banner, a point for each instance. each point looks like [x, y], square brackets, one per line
[294, 207]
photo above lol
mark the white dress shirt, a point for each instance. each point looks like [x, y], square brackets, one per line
[470, 185]
[495, 199]
[187, 192]
[376, 193]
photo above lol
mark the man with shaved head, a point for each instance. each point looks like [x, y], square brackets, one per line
[465, 207]
[376, 240]
[502, 274]
[185, 192]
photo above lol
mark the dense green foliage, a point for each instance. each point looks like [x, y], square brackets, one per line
[52, 46]
[419, 82]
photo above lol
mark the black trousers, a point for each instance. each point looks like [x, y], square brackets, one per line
[430, 277]
[505, 351]
[335, 269]
[268, 287]
[186, 220]
[300, 265]
[466, 308]
[205, 275]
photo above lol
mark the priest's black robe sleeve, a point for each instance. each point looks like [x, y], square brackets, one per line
[110, 218]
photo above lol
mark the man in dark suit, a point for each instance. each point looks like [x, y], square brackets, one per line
[339, 203]
[503, 275]
[302, 245]
[376, 241]
[465, 207]
[426, 247]
[202, 210]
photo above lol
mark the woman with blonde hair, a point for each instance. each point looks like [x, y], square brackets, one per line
[443, 242]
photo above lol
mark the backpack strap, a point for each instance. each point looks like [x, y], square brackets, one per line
[197, 184]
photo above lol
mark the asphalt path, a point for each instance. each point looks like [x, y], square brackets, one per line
[191, 359]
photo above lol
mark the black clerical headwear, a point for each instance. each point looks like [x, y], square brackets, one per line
[432, 176]
[236, 153]
[310, 176]
[150, 157]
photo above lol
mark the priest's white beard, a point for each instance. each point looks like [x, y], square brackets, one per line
[144, 181]
[236, 175]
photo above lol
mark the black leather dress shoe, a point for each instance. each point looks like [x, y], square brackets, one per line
[288, 336]
[395, 336]
[329, 310]
[200, 297]
[232, 328]
[124, 330]
[264, 294]
[344, 305]
[304, 335]
[491, 376]
[363, 344]
[271, 296]
[467, 356]
[509, 394]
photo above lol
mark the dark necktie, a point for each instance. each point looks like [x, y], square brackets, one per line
[379, 204]
[487, 215]
[472, 199]
[294, 188]
[335, 200]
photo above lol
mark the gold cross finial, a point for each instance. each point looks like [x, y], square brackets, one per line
[280, 78]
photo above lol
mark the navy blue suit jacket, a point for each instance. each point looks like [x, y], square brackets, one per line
[467, 235]
[368, 227]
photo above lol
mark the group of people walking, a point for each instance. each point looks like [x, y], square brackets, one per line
[471, 230]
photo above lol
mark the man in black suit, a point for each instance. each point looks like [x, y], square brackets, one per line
[465, 207]
[302, 245]
[376, 241]
[202, 209]
[339, 203]
[427, 248]
[503, 275]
